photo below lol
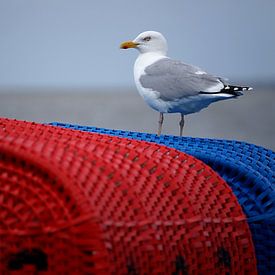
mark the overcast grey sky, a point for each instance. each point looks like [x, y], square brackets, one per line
[75, 43]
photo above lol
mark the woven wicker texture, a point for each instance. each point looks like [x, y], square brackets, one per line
[81, 203]
[247, 168]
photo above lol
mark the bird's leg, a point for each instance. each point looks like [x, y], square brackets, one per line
[181, 124]
[160, 123]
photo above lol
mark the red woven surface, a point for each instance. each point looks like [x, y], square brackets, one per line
[99, 204]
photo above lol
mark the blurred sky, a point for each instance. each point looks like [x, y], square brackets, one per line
[66, 43]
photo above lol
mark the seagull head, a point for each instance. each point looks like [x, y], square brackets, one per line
[149, 41]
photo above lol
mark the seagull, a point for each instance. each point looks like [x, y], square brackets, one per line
[171, 86]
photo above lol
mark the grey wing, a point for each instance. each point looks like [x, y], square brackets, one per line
[175, 80]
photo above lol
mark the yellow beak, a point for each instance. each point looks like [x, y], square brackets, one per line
[128, 44]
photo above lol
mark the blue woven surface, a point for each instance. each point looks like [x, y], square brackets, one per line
[247, 168]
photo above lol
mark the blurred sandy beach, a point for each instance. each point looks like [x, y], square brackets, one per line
[250, 118]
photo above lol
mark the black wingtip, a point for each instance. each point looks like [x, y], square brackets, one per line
[235, 90]
[231, 90]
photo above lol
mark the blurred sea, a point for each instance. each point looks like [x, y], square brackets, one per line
[250, 118]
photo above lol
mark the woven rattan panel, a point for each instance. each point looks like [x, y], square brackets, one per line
[82, 203]
[248, 169]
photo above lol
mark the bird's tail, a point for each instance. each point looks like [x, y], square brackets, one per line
[234, 90]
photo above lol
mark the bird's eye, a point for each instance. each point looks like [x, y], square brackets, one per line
[147, 38]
